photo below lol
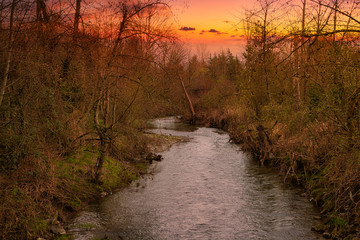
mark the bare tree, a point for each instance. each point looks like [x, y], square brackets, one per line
[41, 11]
[77, 16]
[8, 55]
[134, 25]
[264, 26]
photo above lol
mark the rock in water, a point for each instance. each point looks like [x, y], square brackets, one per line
[153, 157]
[326, 235]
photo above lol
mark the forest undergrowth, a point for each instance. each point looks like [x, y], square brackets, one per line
[316, 155]
[78, 81]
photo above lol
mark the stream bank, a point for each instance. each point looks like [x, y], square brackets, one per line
[205, 188]
[40, 200]
[307, 156]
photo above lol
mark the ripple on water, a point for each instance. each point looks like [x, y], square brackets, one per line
[203, 189]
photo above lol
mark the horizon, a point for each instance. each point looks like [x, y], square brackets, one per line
[225, 25]
[215, 26]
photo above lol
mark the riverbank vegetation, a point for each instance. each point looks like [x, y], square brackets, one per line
[293, 100]
[79, 81]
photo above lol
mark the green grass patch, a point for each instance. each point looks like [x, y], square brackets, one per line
[87, 226]
[338, 222]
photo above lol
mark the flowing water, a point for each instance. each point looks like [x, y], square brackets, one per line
[205, 188]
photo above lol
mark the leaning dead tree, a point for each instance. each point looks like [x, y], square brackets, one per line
[193, 115]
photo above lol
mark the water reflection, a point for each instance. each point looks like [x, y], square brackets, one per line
[203, 189]
[170, 123]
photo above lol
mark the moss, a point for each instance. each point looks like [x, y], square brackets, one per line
[338, 222]
[87, 226]
[57, 186]
[39, 226]
[64, 237]
[112, 175]
[75, 203]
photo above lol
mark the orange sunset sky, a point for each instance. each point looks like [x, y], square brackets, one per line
[213, 23]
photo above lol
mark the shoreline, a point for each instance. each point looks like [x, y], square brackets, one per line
[266, 142]
[54, 195]
[258, 139]
[157, 143]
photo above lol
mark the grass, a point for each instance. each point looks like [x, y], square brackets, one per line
[326, 163]
[87, 226]
[48, 186]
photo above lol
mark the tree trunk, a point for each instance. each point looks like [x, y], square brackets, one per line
[102, 149]
[296, 79]
[100, 159]
[303, 52]
[106, 107]
[335, 18]
[189, 100]
[77, 16]
[41, 12]
[264, 52]
[5, 76]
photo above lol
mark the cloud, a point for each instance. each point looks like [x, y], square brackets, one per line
[213, 31]
[216, 31]
[232, 36]
[187, 29]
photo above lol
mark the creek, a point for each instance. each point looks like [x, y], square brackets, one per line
[205, 188]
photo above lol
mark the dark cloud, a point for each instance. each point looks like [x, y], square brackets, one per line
[213, 31]
[187, 29]
[232, 36]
